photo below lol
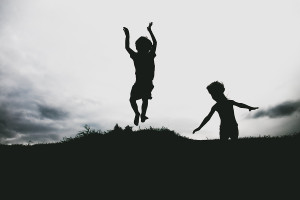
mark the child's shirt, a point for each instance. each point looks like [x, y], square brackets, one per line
[144, 65]
[226, 113]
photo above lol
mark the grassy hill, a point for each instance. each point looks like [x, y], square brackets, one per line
[151, 162]
[157, 144]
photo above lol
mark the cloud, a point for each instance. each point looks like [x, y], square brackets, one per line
[32, 108]
[28, 111]
[15, 122]
[52, 112]
[24, 119]
[284, 109]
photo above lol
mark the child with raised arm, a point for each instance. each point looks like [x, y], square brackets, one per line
[224, 106]
[144, 71]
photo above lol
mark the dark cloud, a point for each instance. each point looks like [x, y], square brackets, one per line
[29, 112]
[284, 109]
[20, 122]
[25, 113]
[51, 112]
[33, 103]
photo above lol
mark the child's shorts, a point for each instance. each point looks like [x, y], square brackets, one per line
[141, 90]
[227, 132]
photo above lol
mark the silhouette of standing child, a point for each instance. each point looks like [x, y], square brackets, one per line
[144, 70]
[224, 106]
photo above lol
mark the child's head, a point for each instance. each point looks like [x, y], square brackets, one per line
[216, 90]
[143, 45]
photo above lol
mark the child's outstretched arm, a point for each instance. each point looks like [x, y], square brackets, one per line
[152, 37]
[206, 119]
[127, 47]
[241, 105]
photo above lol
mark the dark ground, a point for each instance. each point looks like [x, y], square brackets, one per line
[154, 163]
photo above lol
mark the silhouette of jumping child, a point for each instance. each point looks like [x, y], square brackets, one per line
[144, 71]
[224, 106]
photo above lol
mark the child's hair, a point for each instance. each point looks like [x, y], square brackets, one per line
[216, 88]
[143, 44]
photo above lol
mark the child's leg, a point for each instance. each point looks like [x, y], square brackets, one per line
[136, 111]
[144, 110]
[235, 133]
[224, 136]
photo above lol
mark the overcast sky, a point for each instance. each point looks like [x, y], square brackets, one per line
[63, 64]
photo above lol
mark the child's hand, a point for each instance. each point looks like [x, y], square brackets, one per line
[150, 25]
[126, 31]
[253, 108]
[197, 129]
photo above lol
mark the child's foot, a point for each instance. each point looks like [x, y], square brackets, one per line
[143, 118]
[136, 119]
